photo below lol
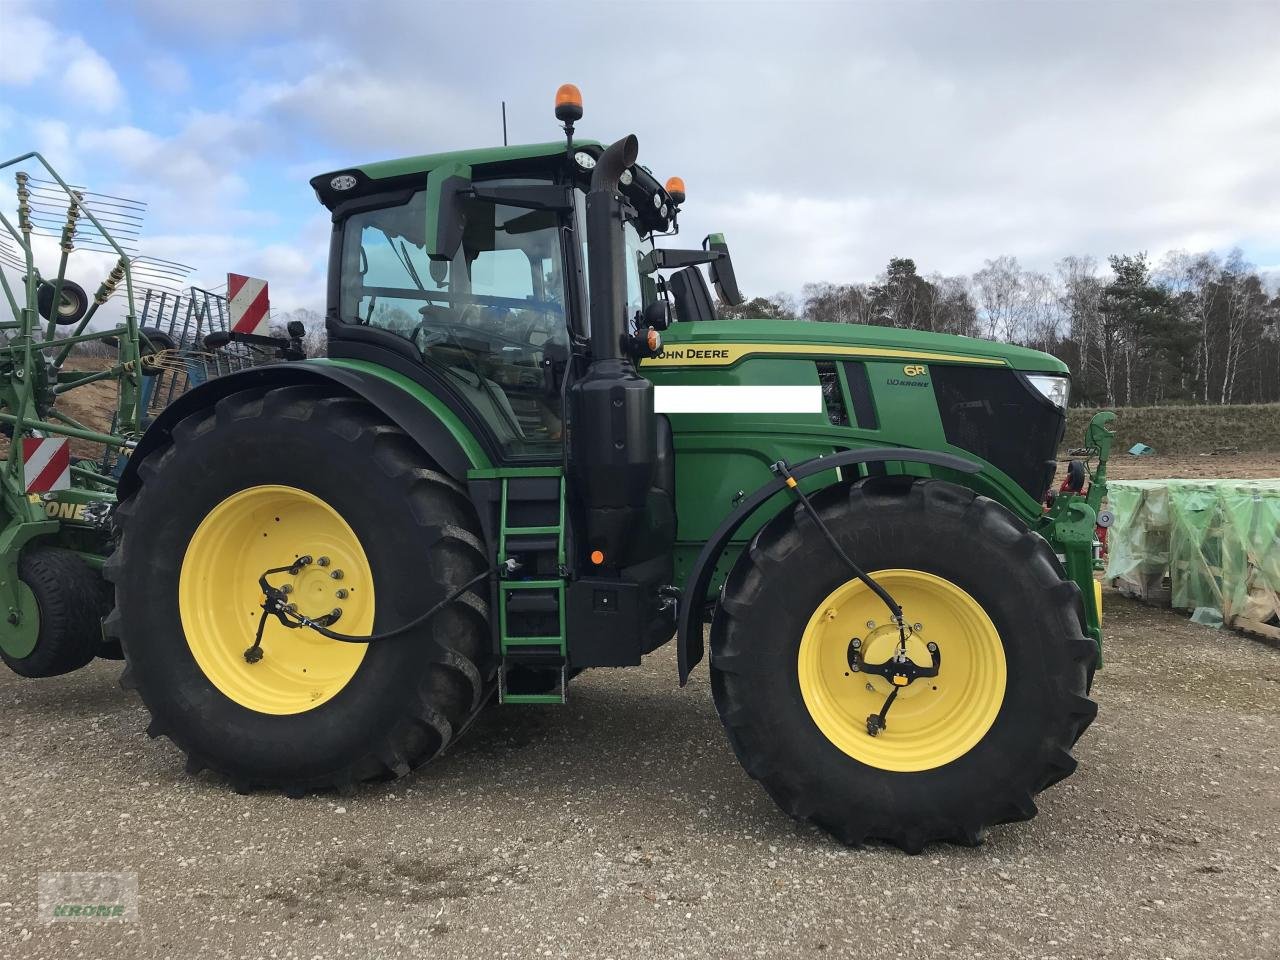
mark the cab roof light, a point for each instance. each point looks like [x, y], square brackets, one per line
[568, 103]
[675, 190]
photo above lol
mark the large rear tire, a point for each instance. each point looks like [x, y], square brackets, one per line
[961, 751]
[264, 477]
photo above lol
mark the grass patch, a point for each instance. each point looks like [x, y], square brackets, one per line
[1186, 429]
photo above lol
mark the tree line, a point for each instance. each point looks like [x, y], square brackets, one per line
[1193, 328]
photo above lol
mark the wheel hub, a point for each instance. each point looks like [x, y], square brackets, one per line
[853, 670]
[221, 599]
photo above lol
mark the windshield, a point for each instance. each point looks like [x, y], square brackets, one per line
[493, 320]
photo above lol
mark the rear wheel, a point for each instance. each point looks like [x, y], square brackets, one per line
[264, 478]
[958, 751]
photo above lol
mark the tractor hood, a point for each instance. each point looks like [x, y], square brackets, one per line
[724, 342]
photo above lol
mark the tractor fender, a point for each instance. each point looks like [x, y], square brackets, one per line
[690, 646]
[403, 409]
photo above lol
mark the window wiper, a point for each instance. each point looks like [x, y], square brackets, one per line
[403, 254]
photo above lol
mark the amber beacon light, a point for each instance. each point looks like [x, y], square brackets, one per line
[568, 103]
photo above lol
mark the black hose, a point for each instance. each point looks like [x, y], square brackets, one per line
[273, 605]
[784, 471]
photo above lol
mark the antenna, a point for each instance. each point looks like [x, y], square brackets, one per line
[504, 123]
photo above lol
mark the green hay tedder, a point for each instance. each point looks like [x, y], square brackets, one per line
[534, 449]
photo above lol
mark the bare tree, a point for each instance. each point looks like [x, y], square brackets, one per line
[1192, 277]
[1000, 302]
[1080, 292]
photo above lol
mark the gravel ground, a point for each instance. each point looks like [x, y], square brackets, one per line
[621, 826]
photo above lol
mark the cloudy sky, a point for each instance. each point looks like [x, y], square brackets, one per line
[823, 138]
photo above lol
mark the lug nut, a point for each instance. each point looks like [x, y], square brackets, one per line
[342, 594]
[291, 607]
[917, 627]
[323, 561]
[287, 588]
[871, 624]
[336, 574]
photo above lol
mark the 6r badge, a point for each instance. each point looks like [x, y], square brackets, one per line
[915, 370]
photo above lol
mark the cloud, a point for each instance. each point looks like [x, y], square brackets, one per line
[349, 104]
[190, 177]
[226, 21]
[24, 60]
[294, 270]
[168, 75]
[36, 51]
[53, 139]
[823, 138]
[88, 79]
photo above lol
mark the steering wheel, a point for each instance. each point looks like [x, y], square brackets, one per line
[437, 324]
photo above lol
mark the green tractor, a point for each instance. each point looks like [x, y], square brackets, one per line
[533, 449]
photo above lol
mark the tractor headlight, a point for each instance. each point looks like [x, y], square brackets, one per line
[1057, 390]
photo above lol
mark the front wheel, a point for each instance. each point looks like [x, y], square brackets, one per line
[817, 710]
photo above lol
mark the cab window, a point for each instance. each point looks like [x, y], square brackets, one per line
[492, 320]
[642, 288]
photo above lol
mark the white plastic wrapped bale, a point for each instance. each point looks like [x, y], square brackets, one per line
[1218, 542]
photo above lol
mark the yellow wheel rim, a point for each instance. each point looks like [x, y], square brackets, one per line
[935, 719]
[220, 602]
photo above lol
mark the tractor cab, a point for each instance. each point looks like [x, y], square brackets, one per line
[473, 268]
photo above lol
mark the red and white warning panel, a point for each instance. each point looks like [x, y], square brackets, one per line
[248, 304]
[46, 464]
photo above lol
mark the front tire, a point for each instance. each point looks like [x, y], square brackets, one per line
[961, 751]
[266, 476]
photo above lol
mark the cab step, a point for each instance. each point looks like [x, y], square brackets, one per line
[531, 600]
[555, 696]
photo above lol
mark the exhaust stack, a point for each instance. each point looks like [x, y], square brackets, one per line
[612, 444]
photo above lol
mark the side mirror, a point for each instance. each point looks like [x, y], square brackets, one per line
[446, 214]
[722, 277]
[296, 329]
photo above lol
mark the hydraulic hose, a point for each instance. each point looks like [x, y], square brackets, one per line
[276, 605]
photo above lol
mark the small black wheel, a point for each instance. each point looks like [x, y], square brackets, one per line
[261, 479]
[956, 752]
[1076, 476]
[152, 342]
[69, 597]
[73, 304]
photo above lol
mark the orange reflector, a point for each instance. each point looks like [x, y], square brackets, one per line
[654, 340]
[568, 102]
[597, 557]
[675, 189]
